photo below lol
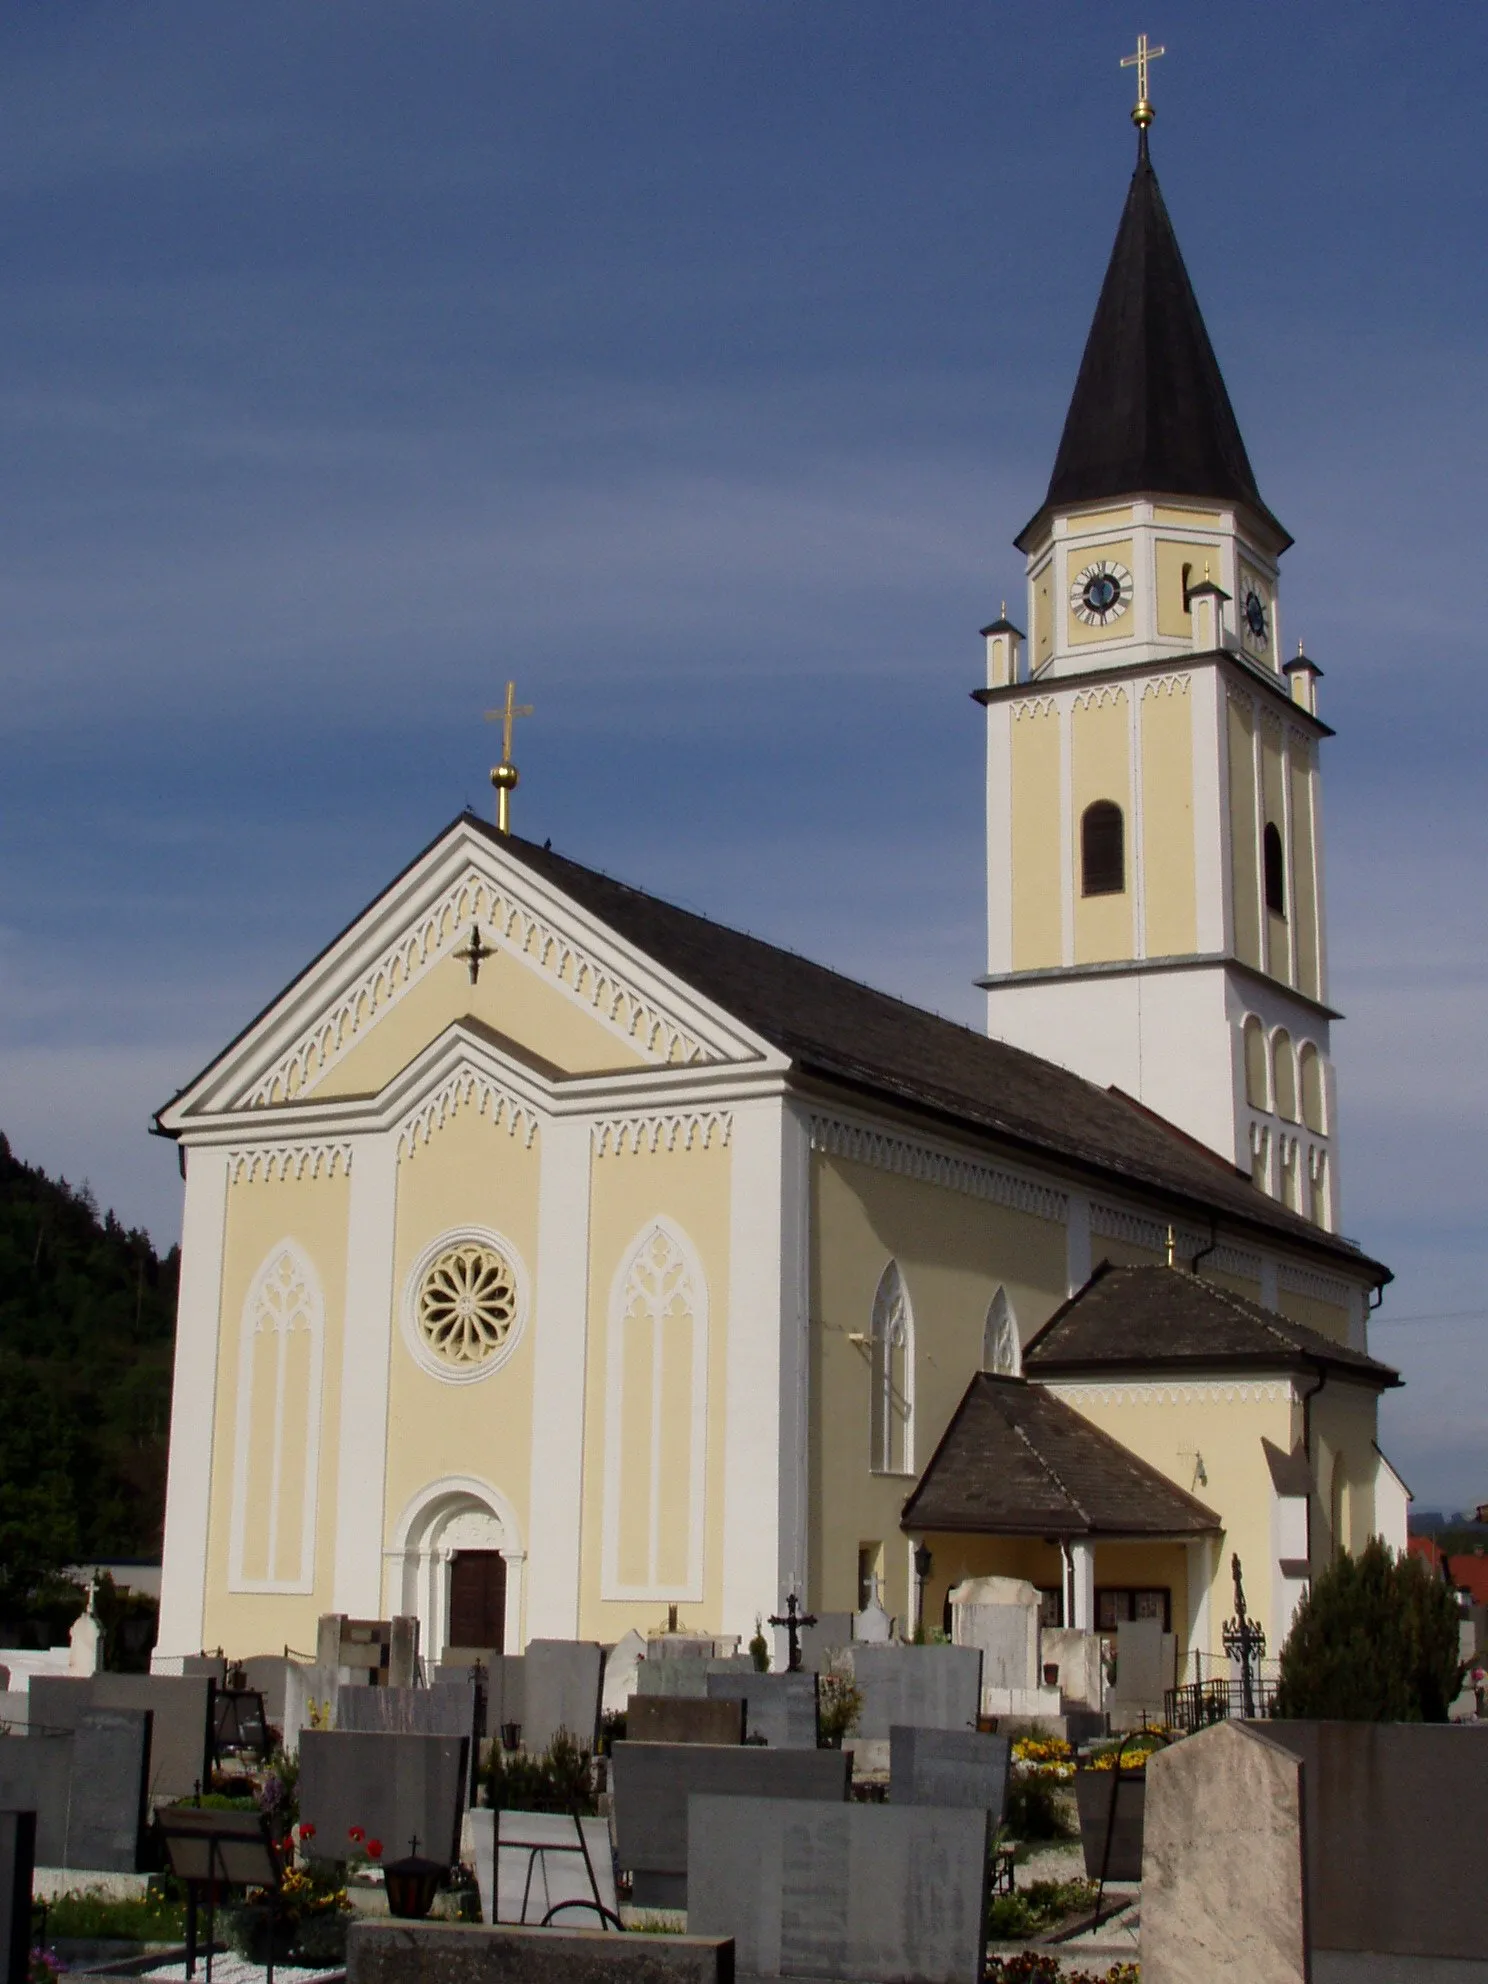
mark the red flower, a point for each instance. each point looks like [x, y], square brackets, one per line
[356, 1834]
[374, 1849]
[307, 1831]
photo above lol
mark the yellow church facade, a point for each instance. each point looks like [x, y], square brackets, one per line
[556, 1260]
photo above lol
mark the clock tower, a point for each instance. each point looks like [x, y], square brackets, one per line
[1154, 841]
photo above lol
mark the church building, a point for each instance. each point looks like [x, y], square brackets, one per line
[555, 1257]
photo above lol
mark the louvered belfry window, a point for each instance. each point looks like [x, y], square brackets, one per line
[1102, 850]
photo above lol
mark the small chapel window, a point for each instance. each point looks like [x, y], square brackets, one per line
[892, 1375]
[1102, 850]
[1275, 866]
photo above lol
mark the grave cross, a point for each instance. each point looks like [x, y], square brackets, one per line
[793, 1620]
[1244, 1641]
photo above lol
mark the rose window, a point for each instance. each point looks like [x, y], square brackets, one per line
[467, 1305]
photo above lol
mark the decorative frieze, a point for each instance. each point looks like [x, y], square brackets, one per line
[465, 1088]
[907, 1157]
[290, 1160]
[1192, 1391]
[683, 1129]
[1139, 1230]
[1321, 1287]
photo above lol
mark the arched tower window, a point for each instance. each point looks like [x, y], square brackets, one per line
[1275, 867]
[1002, 1351]
[1284, 1075]
[893, 1375]
[1310, 1066]
[1102, 850]
[1257, 1086]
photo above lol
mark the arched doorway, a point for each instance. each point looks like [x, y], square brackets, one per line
[457, 1562]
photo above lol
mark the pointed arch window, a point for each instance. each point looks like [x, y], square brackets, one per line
[1257, 1082]
[276, 1461]
[893, 1375]
[1002, 1350]
[1274, 863]
[1102, 850]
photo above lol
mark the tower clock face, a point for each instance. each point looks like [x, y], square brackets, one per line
[1256, 614]
[1101, 593]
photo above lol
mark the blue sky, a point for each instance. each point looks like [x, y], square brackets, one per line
[696, 363]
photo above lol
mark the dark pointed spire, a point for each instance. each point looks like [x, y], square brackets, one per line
[1150, 410]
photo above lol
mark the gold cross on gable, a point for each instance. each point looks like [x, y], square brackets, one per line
[504, 776]
[1142, 115]
[506, 716]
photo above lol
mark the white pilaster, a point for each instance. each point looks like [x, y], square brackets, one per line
[1077, 1243]
[999, 838]
[1211, 810]
[183, 1583]
[1082, 1581]
[1065, 716]
[559, 1364]
[764, 1401]
[1200, 1577]
[366, 1352]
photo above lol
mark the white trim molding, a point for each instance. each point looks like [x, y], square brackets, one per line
[284, 1298]
[935, 1164]
[416, 1578]
[1189, 1391]
[660, 1265]
[366, 1356]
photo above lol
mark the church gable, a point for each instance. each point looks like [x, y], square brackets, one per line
[468, 939]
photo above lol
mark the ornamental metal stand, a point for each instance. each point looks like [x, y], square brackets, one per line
[1244, 1641]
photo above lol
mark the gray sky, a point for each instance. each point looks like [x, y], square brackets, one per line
[696, 363]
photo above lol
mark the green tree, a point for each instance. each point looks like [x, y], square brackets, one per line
[38, 1517]
[1375, 1640]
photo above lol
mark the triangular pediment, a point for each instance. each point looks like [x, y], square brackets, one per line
[559, 994]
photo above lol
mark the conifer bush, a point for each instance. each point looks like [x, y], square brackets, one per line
[1375, 1640]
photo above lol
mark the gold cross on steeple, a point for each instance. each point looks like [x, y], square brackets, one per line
[504, 776]
[1143, 114]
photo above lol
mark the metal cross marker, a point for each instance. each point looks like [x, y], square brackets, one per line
[1243, 1641]
[475, 953]
[1143, 114]
[793, 1620]
[504, 776]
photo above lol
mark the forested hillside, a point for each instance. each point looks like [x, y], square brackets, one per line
[87, 1317]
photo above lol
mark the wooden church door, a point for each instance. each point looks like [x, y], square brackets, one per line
[477, 1603]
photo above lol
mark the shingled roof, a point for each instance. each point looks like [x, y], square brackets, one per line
[881, 1047]
[1155, 1319]
[1016, 1461]
[1149, 411]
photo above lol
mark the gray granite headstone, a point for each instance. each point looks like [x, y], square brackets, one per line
[393, 1787]
[687, 1675]
[561, 1685]
[15, 1709]
[309, 1701]
[265, 1673]
[444, 1711]
[17, 1864]
[205, 1667]
[183, 1709]
[884, 1894]
[541, 1845]
[919, 1687]
[112, 1753]
[949, 1767]
[832, 1632]
[781, 1708]
[35, 1775]
[683, 1719]
[653, 1781]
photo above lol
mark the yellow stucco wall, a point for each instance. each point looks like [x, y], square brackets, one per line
[1097, 522]
[1244, 835]
[1101, 769]
[512, 996]
[1117, 551]
[1173, 558]
[954, 1253]
[1170, 909]
[629, 1190]
[1344, 1420]
[1329, 1318]
[1170, 513]
[471, 1172]
[1043, 616]
[1036, 868]
[262, 1215]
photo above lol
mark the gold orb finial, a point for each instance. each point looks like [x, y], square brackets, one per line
[504, 776]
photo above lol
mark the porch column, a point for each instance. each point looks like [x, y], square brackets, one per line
[1081, 1558]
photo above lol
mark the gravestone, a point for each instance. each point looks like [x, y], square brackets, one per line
[183, 1712]
[445, 1711]
[954, 1768]
[15, 1711]
[872, 1625]
[393, 1787]
[692, 1646]
[780, 1708]
[557, 1874]
[832, 1632]
[265, 1673]
[658, 1676]
[85, 1646]
[309, 1702]
[920, 1687]
[17, 1864]
[561, 1686]
[1001, 1616]
[87, 1787]
[621, 1665]
[1146, 1657]
[468, 1953]
[683, 1719]
[880, 1893]
[205, 1667]
[652, 1783]
[506, 1692]
[1077, 1655]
